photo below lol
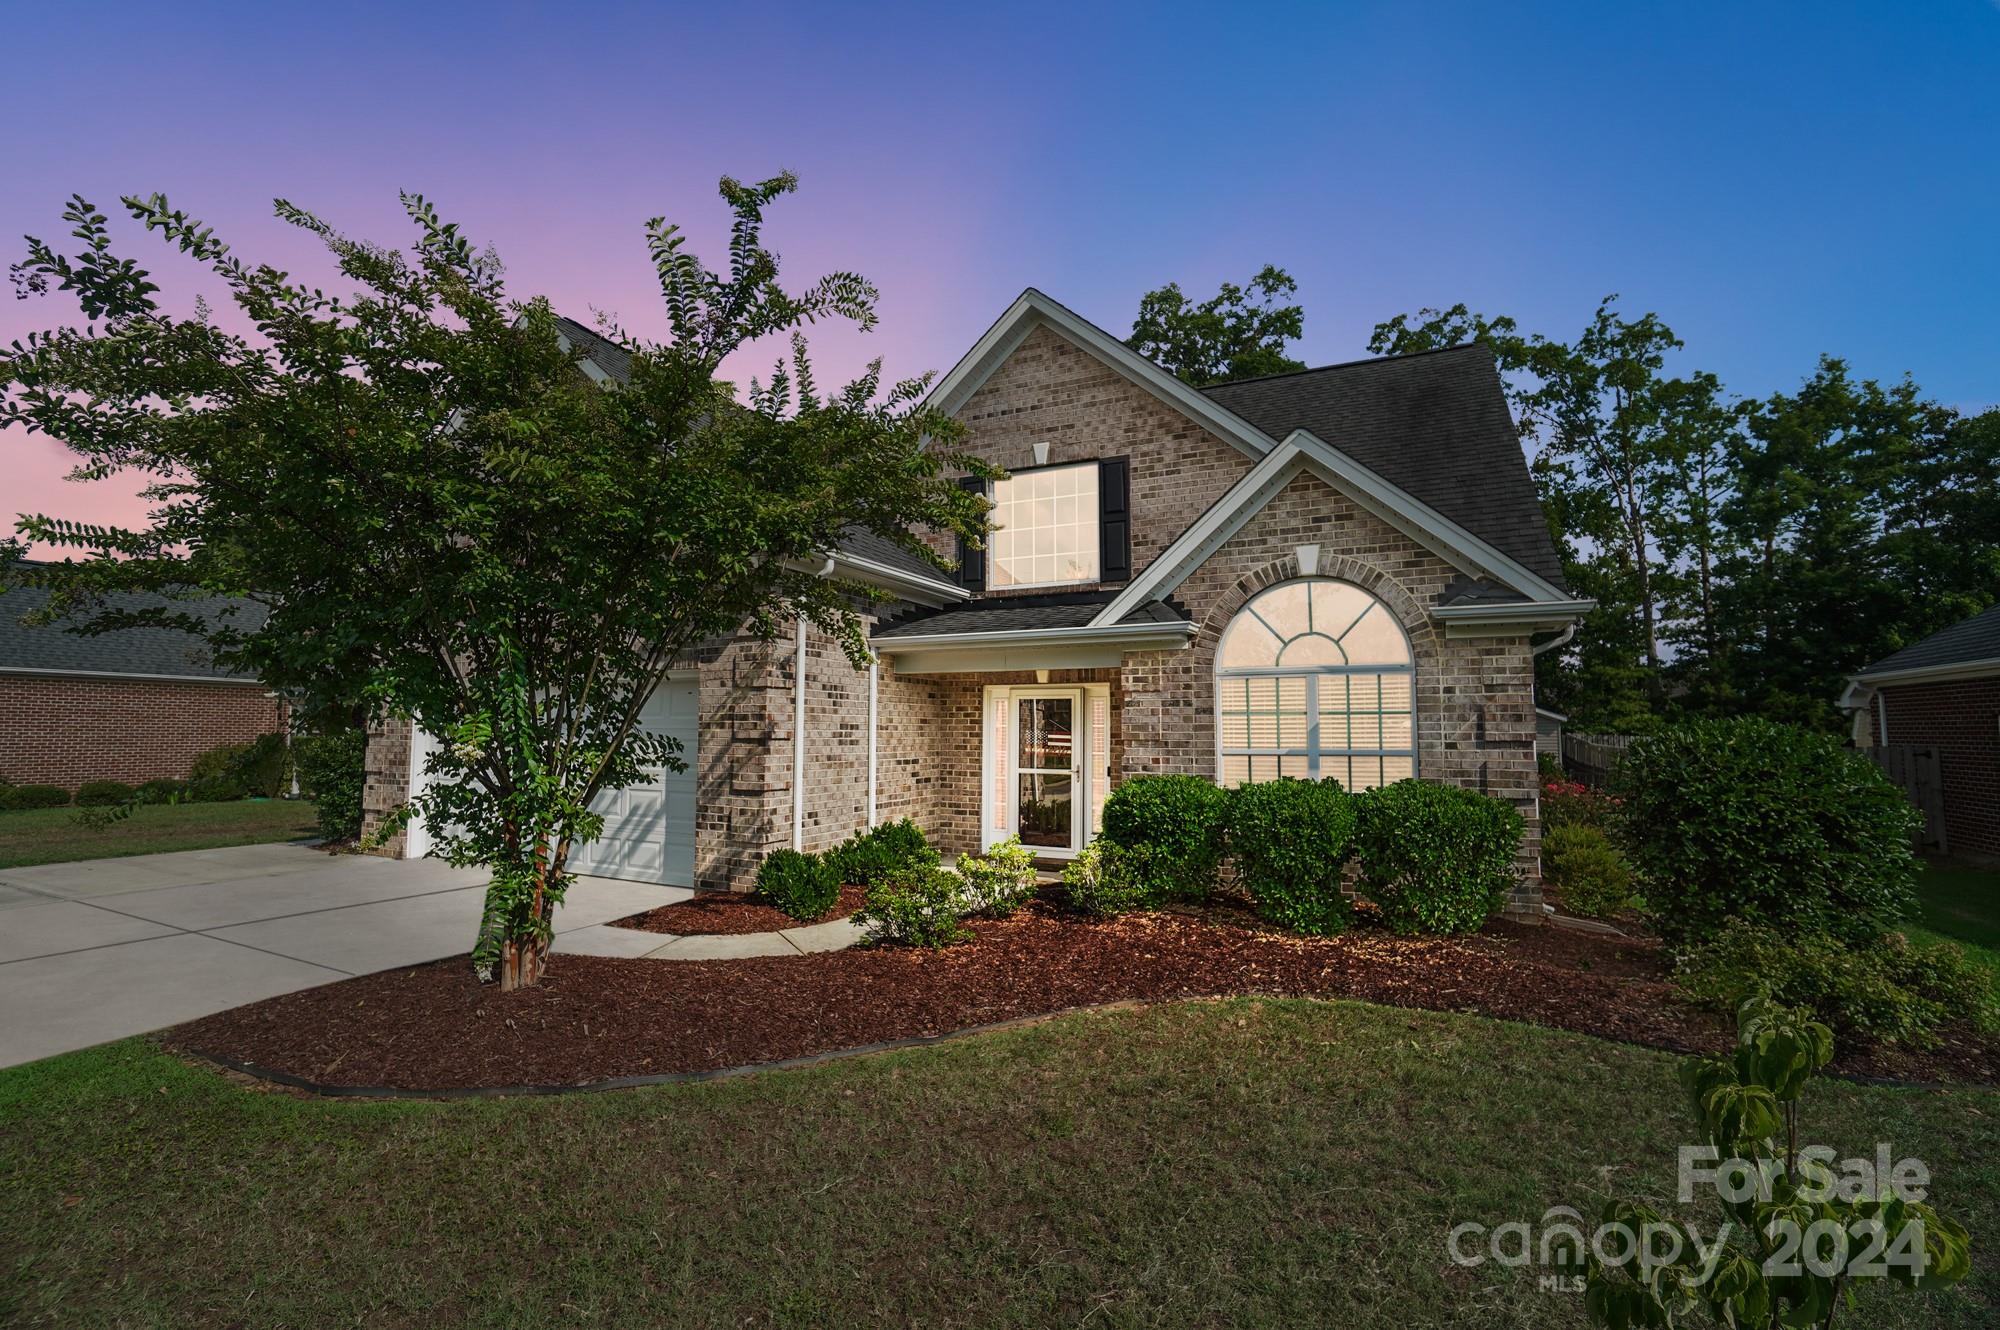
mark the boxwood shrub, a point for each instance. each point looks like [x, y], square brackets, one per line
[876, 855]
[1588, 873]
[804, 886]
[1169, 833]
[1290, 839]
[999, 881]
[103, 794]
[1097, 883]
[33, 796]
[918, 907]
[330, 768]
[1746, 818]
[1436, 858]
[164, 790]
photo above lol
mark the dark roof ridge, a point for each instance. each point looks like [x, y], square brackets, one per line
[1347, 364]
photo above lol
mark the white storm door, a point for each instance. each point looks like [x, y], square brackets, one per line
[649, 827]
[1047, 770]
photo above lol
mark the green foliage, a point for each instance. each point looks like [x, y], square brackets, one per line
[1097, 883]
[917, 907]
[1586, 869]
[999, 881]
[103, 794]
[331, 774]
[1794, 1238]
[1291, 839]
[1550, 768]
[1436, 858]
[448, 519]
[1235, 334]
[239, 771]
[881, 852]
[804, 886]
[164, 790]
[1752, 819]
[33, 796]
[1882, 990]
[1572, 803]
[1170, 834]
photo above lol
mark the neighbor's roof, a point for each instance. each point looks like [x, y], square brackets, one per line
[1013, 614]
[1434, 424]
[1974, 640]
[159, 652]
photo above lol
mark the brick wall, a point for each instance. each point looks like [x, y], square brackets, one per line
[67, 729]
[1961, 719]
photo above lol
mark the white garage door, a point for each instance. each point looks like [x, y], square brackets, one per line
[649, 827]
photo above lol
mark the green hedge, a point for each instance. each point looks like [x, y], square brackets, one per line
[917, 907]
[1750, 819]
[331, 773]
[104, 794]
[804, 886]
[1097, 884]
[1290, 840]
[1588, 873]
[33, 796]
[876, 855]
[1436, 858]
[1169, 831]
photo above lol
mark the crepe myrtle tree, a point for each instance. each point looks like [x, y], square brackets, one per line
[447, 517]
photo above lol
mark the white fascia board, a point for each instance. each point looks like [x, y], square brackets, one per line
[1033, 308]
[236, 681]
[1127, 636]
[1528, 615]
[1962, 669]
[1552, 715]
[1301, 451]
[1856, 695]
[922, 590]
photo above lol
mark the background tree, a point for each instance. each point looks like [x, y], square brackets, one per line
[1238, 333]
[448, 519]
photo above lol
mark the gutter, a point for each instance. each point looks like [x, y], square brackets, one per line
[1515, 612]
[1962, 669]
[1124, 634]
[123, 674]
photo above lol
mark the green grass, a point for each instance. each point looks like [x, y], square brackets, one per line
[1961, 905]
[1237, 1163]
[54, 835]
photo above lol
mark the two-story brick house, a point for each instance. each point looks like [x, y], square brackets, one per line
[1340, 572]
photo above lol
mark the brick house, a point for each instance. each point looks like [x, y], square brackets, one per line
[1943, 693]
[132, 705]
[1340, 572]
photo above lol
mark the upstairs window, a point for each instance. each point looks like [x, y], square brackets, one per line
[1045, 528]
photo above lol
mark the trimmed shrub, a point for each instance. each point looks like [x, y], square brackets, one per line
[1290, 840]
[1097, 883]
[918, 907]
[164, 790]
[999, 881]
[1586, 870]
[1169, 830]
[330, 768]
[804, 886]
[1436, 858]
[878, 854]
[1883, 990]
[1746, 818]
[34, 796]
[238, 771]
[104, 794]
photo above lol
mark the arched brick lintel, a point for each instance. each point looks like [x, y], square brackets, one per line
[1339, 568]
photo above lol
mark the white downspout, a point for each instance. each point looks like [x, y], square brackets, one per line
[874, 678]
[799, 741]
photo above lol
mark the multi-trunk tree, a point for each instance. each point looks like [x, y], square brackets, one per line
[449, 518]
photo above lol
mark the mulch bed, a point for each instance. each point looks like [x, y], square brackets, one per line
[594, 1018]
[733, 912]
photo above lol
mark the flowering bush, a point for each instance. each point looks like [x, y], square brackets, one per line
[1569, 803]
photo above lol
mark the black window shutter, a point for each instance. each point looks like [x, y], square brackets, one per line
[1114, 519]
[971, 562]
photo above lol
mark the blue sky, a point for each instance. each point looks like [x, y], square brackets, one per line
[1775, 181]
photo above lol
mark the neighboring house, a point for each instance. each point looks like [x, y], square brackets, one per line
[1943, 693]
[1340, 572]
[132, 705]
[1549, 733]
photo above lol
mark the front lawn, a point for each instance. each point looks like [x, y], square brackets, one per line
[1214, 1163]
[1962, 905]
[55, 835]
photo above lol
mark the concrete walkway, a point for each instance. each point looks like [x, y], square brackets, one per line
[106, 948]
[604, 940]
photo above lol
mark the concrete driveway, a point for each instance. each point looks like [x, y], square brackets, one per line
[106, 948]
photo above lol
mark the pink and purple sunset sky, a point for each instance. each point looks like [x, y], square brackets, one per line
[1775, 181]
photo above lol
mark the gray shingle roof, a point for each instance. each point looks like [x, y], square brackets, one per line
[1435, 425]
[1010, 614]
[163, 651]
[879, 549]
[600, 350]
[1977, 638]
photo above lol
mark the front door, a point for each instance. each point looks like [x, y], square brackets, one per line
[1047, 752]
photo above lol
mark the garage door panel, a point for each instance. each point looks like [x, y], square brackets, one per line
[649, 827]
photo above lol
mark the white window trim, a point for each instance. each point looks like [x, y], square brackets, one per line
[1096, 530]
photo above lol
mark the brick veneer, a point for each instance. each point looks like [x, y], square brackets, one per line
[67, 729]
[1961, 719]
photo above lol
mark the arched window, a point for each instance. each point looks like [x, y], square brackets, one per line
[1313, 679]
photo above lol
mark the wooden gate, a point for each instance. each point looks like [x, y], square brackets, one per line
[1917, 769]
[1589, 758]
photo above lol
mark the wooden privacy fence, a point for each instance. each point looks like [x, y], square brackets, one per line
[1920, 773]
[1590, 757]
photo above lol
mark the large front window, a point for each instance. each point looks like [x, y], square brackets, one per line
[1314, 679]
[1045, 527]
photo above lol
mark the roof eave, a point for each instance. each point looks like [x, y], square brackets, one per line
[1131, 636]
[1961, 669]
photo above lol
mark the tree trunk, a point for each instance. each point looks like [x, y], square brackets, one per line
[521, 963]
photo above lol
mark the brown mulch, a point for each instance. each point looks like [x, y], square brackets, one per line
[594, 1018]
[733, 912]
